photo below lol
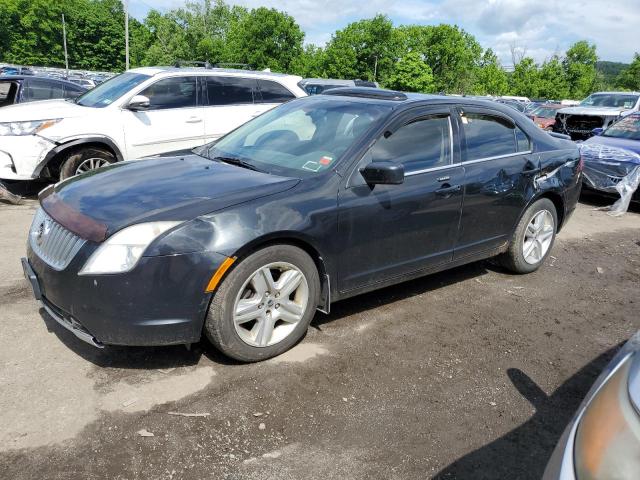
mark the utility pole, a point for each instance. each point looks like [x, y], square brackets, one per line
[64, 41]
[126, 33]
[375, 68]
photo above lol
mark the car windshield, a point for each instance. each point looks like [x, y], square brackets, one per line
[615, 100]
[544, 112]
[301, 138]
[628, 127]
[108, 92]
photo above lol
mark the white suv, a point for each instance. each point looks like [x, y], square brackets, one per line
[142, 112]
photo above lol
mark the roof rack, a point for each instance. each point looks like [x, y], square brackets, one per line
[207, 65]
[366, 92]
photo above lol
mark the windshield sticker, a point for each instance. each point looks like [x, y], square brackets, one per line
[326, 160]
[312, 166]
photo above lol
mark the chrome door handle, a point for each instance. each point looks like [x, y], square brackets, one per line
[194, 120]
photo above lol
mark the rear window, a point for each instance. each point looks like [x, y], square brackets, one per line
[273, 92]
[491, 136]
[231, 90]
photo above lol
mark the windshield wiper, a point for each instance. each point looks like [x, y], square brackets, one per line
[238, 162]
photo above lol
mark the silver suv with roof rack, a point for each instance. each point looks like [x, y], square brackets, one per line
[142, 112]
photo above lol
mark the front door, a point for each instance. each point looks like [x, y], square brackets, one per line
[173, 121]
[391, 230]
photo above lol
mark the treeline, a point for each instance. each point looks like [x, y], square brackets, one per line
[442, 58]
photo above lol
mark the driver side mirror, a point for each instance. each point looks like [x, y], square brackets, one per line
[139, 102]
[597, 131]
[383, 173]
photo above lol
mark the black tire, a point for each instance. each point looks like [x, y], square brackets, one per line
[74, 159]
[219, 326]
[513, 259]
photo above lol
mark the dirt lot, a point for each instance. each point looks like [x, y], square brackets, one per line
[471, 373]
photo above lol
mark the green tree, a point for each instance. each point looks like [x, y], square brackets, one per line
[365, 49]
[552, 80]
[265, 38]
[491, 79]
[452, 54]
[580, 69]
[412, 74]
[629, 78]
[310, 63]
[525, 79]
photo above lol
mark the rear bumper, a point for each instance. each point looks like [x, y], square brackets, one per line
[162, 301]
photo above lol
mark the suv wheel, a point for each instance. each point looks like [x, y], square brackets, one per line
[532, 239]
[85, 160]
[265, 304]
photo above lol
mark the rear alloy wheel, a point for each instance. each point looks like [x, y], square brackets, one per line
[532, 239]
[265, 304]
[85, 160]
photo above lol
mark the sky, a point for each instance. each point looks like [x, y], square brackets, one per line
[541, 28]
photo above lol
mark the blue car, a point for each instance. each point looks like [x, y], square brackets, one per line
[611, 155]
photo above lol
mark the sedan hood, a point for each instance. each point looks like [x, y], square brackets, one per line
[98, 204]
[43, 110]
[600, 111]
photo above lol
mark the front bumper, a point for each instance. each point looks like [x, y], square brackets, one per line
[21, 157]
[162, 301]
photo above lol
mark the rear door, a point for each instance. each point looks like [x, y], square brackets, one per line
[391, 230]
[173, 121]
[499, 171]
[230, 102]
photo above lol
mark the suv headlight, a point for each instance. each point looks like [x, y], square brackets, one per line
[26, 128]
[121, 252]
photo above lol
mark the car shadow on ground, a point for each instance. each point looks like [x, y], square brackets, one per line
[524, 452]
[179, 355]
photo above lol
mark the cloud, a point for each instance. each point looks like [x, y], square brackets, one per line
[543, 28]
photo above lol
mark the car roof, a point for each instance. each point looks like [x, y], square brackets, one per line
[39, 77]
[210, 71]
[616, 93]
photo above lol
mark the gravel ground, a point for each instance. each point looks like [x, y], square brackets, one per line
[471, 373]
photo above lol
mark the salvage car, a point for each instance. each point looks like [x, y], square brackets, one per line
[598, 110]
[318, 200]
[611, 158]
[22, 89]
[142, 112]
[544, 116]
[602, 441]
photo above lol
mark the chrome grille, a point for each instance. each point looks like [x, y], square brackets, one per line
[53, 243]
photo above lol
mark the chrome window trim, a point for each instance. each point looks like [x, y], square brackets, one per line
[497, 157]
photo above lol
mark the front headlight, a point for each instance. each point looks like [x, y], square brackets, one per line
[607, 445]
[26, 128]
[121, 252]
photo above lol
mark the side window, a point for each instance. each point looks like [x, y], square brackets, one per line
[230, 90]
[8, 92]
[273, 92]
[522, 141]
[487, 135]
[36, 89]
[72, 92]
[175, 92]
[424, 143]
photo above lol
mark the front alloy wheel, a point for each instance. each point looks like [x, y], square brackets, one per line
[265, 303]
[270, 304]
